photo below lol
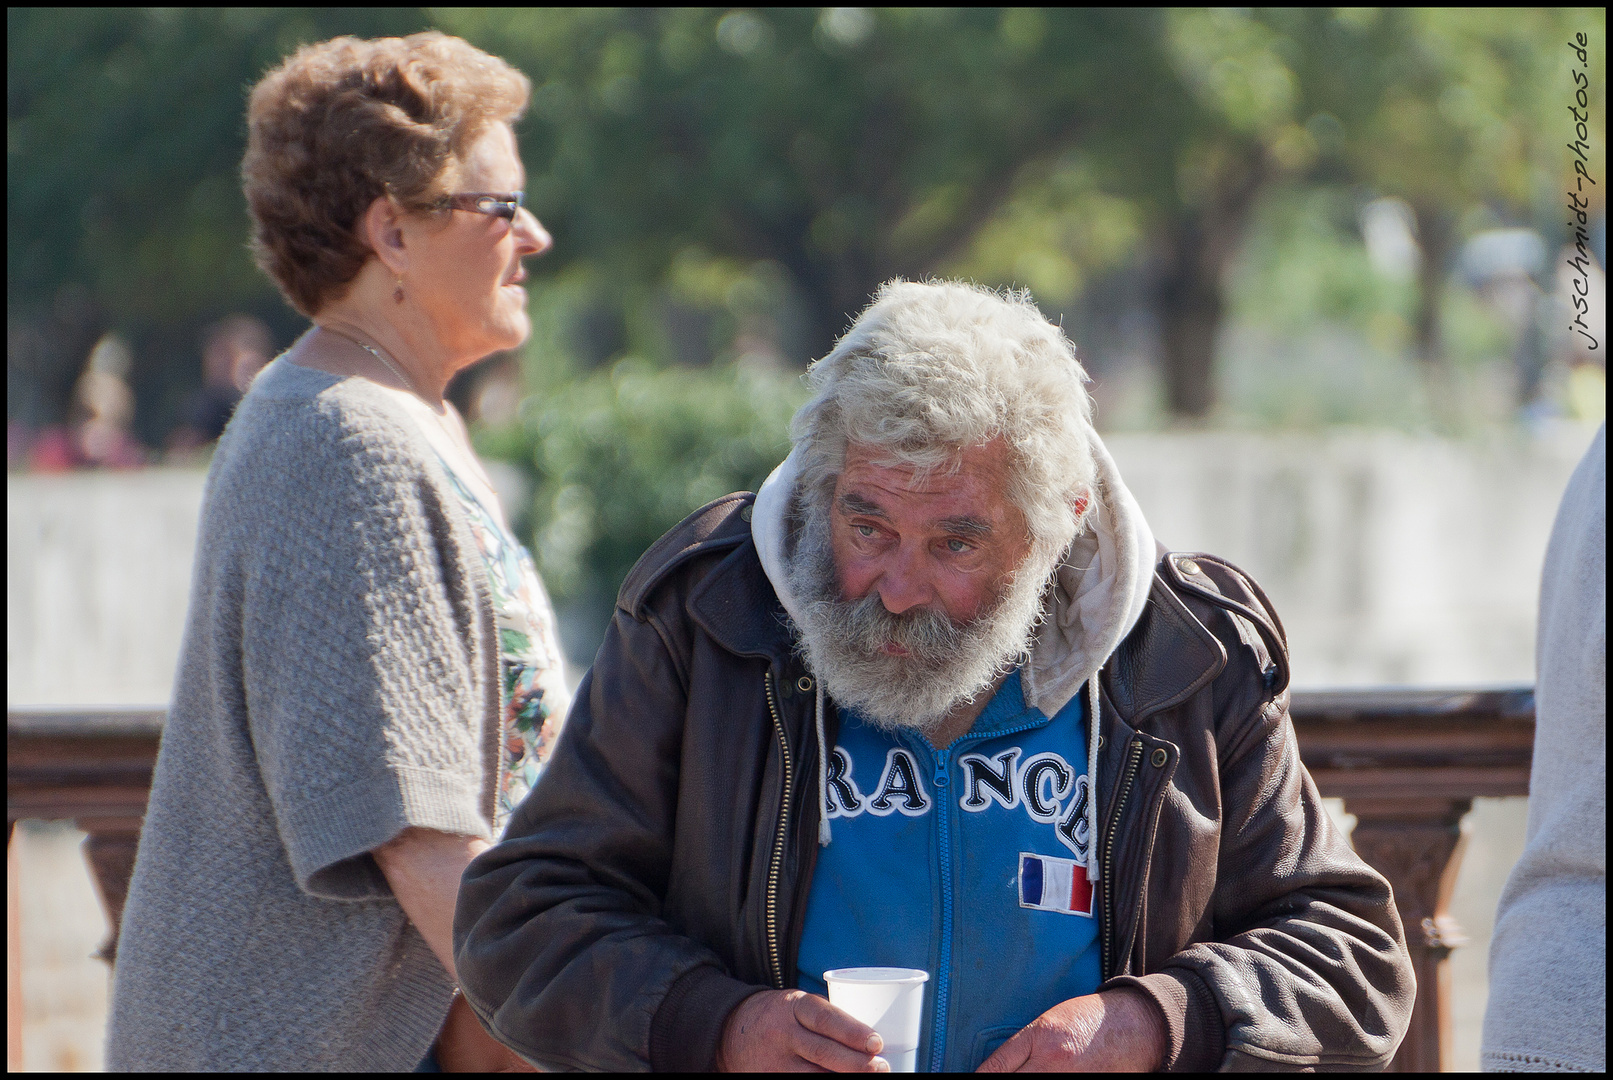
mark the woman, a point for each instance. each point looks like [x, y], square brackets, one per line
[370, 678]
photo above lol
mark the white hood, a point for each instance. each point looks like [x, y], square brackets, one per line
[1102, 586]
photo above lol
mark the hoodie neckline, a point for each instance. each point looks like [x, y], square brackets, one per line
[1102, 587]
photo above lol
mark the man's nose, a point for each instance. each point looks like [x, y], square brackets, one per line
[904, 586]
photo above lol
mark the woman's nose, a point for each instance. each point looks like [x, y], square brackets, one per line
[534, 238]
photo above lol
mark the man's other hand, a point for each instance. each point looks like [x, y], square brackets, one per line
[1119, 1030]
[793, 1031]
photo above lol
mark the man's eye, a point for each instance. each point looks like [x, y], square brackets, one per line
[956, 546]
[866, 530]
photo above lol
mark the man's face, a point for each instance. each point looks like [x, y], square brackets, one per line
[916, 595]
[949, 543]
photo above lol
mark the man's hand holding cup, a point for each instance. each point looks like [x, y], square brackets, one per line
[793, 1031]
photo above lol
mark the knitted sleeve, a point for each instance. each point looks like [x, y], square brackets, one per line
[363, 668]
[1548, 955]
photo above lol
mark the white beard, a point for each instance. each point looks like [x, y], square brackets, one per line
[947, 663]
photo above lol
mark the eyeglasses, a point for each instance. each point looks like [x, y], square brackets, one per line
[502, 204]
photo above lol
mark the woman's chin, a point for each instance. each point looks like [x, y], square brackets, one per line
[514, 312]
[510, 331]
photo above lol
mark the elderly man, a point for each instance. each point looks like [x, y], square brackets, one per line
[933, 699]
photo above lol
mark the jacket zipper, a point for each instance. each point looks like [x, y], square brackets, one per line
[1134, 755]
[938, 1026]
[776, 866]
[943, 809]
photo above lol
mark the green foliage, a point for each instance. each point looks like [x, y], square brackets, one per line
[125, 129]
[622, 455]
[1304, 262]
[843, 147]
[1318, 335]
[1468, 103]
[729, 185]
[836, 147]
[1056, 229]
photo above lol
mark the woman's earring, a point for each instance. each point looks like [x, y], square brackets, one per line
[397, 293]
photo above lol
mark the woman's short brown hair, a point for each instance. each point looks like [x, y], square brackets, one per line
[339, 124]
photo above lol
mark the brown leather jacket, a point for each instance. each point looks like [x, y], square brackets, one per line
[658, 873]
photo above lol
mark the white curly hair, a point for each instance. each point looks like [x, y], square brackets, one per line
[932, 367]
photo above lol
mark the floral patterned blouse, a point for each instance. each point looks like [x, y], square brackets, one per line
[532, 667]
[534, 690]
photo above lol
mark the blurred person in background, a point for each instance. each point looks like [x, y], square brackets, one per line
[104, 405]
[103, 435]
[1548, 956]
[234, 350]
[51, 449]
[97, 430]
[370, 678]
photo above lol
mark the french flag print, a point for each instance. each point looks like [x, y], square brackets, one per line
[1051, 884]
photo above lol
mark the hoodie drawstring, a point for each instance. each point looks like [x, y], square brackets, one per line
[823, 774]
[1092, 780]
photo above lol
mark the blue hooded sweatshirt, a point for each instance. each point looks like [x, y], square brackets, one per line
[967, 862]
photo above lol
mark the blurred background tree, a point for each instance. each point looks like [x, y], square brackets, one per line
[1244, 216]
[1464, 116]
[124, 134]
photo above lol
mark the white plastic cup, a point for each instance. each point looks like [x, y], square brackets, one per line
[888, 999]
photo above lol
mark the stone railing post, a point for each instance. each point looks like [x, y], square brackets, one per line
[1408, 764]
[1417, 844]
[109, 848]
[92, 767]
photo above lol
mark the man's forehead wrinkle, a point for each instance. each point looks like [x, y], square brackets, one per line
[920, 468]
[904, 480]
[854, 503]
[966, 526]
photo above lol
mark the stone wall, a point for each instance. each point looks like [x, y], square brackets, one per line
[97, 579]
[1391, 558]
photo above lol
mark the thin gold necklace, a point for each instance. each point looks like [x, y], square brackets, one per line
[440, 418]
[390, 366]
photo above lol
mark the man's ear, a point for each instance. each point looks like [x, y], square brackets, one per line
[382, 229]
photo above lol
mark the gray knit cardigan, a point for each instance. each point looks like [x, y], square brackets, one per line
[338, 683]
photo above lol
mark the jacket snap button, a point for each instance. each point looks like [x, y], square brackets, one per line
[804, 684]
[1187, 566]
[1159, 758]
[1102, 741]
[745, 513]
